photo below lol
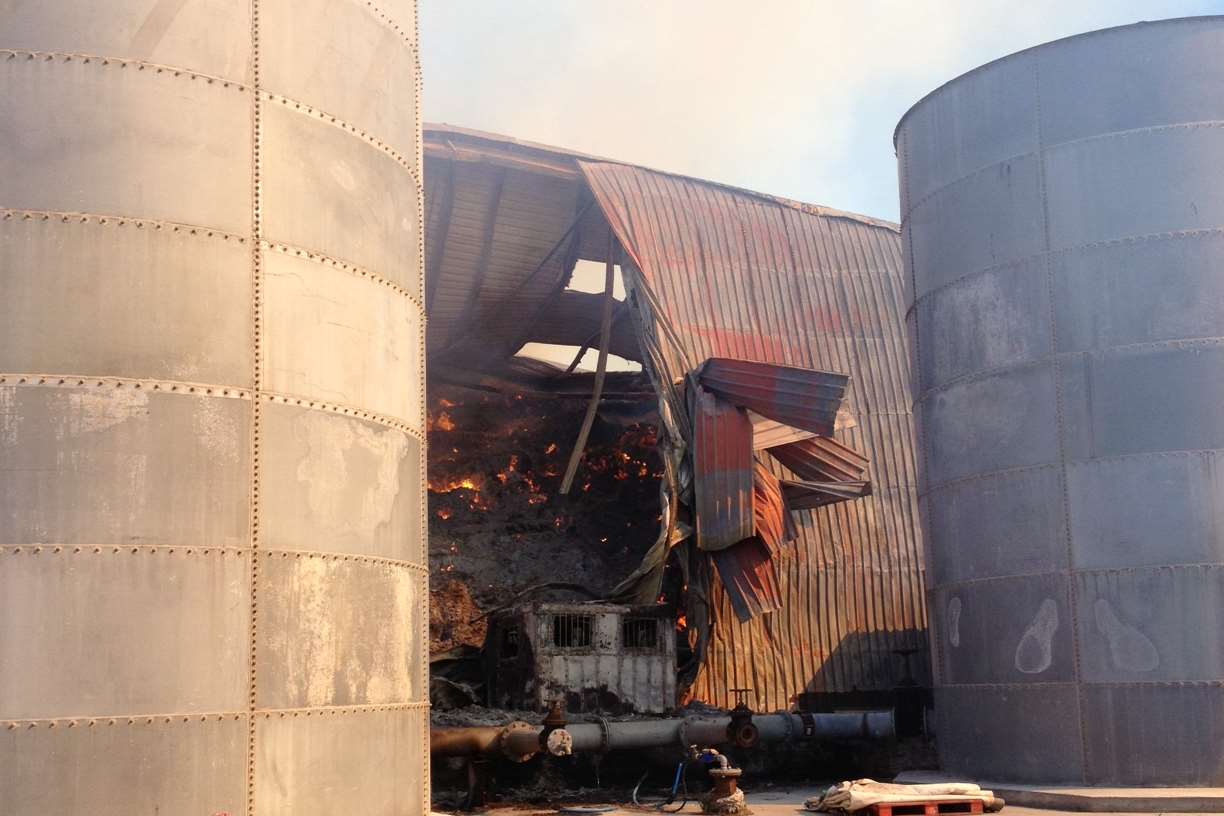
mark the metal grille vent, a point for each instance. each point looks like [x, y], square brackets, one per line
[572, 631]
[640, 633]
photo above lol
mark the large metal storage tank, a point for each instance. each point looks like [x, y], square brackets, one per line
[212, 539]
[1064, 226]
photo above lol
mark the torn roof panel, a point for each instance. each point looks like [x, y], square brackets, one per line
[802, 398]
[810, 495]
[722, 471]
[821, 459]
[750, 578]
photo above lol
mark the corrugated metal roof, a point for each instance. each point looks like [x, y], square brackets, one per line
[799, 397]
[726, 273]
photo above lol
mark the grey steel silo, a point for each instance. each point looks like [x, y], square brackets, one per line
[212, 538]
[1063, 219]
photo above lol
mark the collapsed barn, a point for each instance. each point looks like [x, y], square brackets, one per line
[756, 474]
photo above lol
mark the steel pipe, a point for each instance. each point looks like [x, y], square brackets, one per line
[520, 740]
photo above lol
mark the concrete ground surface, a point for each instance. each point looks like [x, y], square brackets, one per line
[789, 802]
[1090, 799]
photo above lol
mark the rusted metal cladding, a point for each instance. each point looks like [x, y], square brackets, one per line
[212, 567]
[741, 275]
[1064, 230]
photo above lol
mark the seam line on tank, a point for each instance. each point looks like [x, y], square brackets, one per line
[341, 408]
[281, 713]
[1200, 124]
[43, 379]
[360, 271]
[1141, 238]
[1073, 463]
[1060, 431]
[1036, 362]
[392, 24]
[62, 57]
[324, 555]
[257, 408]
[1074, 571]
[1094, 683]
[107, 219]
[35, 548]
[934, 626]
[93, 721]
[342, 124]
[423, 601]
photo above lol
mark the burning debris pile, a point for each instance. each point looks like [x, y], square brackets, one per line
[497, 523]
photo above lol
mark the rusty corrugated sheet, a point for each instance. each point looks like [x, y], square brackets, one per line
[771, 510]
[726, 273]
[810, 495]
[821, 459]
[749, 576]
[722, 465]
[802, 398]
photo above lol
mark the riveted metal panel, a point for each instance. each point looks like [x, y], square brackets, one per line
[348, 62]
[1096, 191]
[1013, 630]
[943, 232]
[181, 609]
[1153, 734]
[110, 138]
[126, 765]
[1141, 292]
[101, 465]
[319, 763]
[1181, 506]
[1172, 73]
[336, 483]
[1119, 414]
[1004, 524]
[339, 337]
[984, 322]
[144, 183]
[1134, 624]
[1030, 725]
[964, 441]
[172, 305]
[337, 631]
[209, 36]
[364, 207]
[1119, 401]
[943, 147]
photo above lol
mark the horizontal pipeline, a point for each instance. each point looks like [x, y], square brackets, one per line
[680, 732]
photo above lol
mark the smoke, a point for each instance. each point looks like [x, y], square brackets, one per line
[788, 97]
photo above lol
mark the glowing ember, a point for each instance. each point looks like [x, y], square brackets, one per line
[444, 513]
[451, 485]
[441, 422]
[681, 622]
[551, 449]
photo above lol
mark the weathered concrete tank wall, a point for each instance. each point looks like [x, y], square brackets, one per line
[212, 550]
[1064, 227]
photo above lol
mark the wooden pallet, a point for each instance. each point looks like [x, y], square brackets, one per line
[926, 807]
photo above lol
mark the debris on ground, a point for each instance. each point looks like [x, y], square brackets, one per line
[861, 794]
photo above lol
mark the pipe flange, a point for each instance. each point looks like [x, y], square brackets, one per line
[505, 740]
[559, 743]
[789, 739]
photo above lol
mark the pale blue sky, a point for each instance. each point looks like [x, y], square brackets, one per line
[788, 97]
